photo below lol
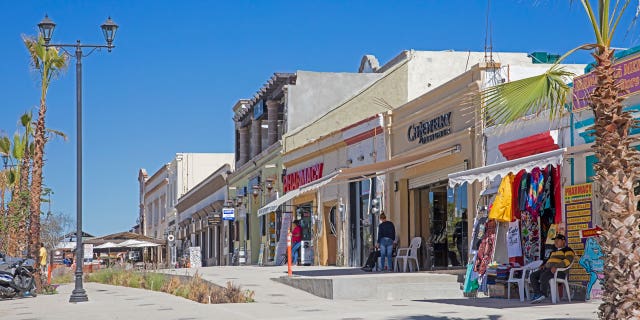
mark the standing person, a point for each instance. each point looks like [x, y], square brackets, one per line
[460, 237]
[42, 255]
[296, 240]
[561, 257]
[386, 240]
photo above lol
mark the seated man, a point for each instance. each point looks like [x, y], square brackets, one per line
[561, 257]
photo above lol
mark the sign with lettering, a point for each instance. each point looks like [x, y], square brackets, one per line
[228, 214]
[427, 131]
[578, 204]
[299, 178]
[626, 72]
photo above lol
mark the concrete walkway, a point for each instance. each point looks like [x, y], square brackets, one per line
[273, 301]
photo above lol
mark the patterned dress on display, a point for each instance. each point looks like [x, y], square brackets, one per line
[530, 229]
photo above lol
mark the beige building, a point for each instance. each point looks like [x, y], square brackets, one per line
[160, 192]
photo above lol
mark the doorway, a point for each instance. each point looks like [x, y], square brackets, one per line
[440, 220]
[330, 233]
[362, 224]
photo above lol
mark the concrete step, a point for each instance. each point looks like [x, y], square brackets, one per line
[389, 286]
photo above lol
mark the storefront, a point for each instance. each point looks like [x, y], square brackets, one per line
[438, 131]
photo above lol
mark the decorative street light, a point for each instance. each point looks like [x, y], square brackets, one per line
[109, 29]
[5, 160]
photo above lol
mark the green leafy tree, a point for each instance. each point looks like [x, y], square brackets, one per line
[618, 162]
[49, 63]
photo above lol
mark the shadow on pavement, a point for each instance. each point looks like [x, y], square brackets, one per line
[492, 303]
[331, 272]
[491, 317]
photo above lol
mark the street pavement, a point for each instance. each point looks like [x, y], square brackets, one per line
[273, 301]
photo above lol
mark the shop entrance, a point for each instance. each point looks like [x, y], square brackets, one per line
[440, 220]
[362, 224]
[330, 233]
[303, 214]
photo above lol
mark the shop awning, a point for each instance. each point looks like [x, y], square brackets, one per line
[501, 169]
[360, 172]
[273, 205]
[309, 187]
[397, 163]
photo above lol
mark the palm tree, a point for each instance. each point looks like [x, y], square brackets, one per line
[49, 62]
[618, 163]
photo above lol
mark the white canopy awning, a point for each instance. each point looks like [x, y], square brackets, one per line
[106, 245]
[309, 187]
[129, 243]
[145, 244]
[273, 205]
[501, 169]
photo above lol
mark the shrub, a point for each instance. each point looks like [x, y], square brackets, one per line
[62, 275]
[195, 288]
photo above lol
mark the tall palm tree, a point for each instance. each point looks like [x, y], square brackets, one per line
[618, 164]
[49, 62]
[5, 150]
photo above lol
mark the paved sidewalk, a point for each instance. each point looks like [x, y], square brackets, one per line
[273, 301]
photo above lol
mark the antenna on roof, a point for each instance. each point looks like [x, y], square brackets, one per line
[488, 47]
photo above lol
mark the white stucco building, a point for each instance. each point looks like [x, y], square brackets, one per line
[160, 192]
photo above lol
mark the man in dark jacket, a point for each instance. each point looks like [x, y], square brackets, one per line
[386, 239]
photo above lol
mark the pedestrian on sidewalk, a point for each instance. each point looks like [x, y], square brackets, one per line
[296, 240]
[386, 241]
[42, 255]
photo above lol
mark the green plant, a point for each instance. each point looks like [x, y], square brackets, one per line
[196, 288]
[49, 289]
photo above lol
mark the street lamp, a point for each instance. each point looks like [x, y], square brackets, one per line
[109, 29]
[5, 160]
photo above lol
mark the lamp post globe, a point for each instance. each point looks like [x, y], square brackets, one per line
[46, 27]
[109, 29]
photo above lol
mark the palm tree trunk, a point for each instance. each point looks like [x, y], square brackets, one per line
[616, 174]
[24, 223]
[36, 183]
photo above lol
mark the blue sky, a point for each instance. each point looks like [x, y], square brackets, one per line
[179, 67]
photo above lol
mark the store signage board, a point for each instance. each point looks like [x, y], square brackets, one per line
[578, 205]
[430, 130]
[299, 178]
[627, 73]
[228, 214]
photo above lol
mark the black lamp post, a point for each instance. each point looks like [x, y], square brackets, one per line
[109, 29]
[5, 160]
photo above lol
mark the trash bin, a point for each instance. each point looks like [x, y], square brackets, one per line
[306, 253]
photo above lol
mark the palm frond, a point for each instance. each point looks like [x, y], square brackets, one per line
[594, 22]
[5, 145]
[57, 133]
[18, 147]
[510, 101]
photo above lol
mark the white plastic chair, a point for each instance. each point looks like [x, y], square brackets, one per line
[555, 281]
[521, 281]
[407, 254]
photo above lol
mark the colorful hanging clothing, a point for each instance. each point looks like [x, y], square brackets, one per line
[557, 194]
[530, 230]
[523, 191]
[515, 199]
[502, 206]
[485, 251]
[478, 230]
[547, 191]
[536, 186]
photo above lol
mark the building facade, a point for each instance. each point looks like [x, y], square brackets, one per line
[286, 102]
[159, 193]
[200, 222]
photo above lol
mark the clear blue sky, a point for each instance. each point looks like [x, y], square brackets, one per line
[179, 67]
